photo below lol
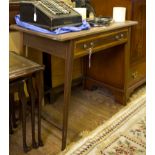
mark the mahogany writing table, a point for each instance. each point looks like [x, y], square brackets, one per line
[74, 45]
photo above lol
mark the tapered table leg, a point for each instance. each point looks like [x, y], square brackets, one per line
[67, 93]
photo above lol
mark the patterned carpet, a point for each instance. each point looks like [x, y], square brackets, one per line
[102, 140]
[123, 134]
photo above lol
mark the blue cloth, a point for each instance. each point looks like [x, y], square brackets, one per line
[85, 26]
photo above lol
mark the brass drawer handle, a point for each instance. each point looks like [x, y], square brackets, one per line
[135, 75]
[117, 37]
[122, 35]
[85, 46]
[92, 44]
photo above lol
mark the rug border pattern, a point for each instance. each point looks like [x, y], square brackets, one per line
[91, 143]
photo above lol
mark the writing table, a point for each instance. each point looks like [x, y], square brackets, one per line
[74, 45]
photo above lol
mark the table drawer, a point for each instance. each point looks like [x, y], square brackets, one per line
[99, 42]
[137, 72]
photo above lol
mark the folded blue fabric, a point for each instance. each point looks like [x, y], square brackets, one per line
[85, 26]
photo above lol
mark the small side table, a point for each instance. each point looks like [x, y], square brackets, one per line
[22, 70]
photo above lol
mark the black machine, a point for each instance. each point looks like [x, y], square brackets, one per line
[49, 14]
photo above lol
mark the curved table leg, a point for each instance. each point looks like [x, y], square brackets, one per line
[23, 101]
[32, 98]
[10, 114]
[40, 100]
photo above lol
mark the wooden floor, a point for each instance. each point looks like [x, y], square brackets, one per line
[88, 109]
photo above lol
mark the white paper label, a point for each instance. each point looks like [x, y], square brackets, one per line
[35, 17]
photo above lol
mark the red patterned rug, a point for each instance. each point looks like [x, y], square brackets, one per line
[123, 134]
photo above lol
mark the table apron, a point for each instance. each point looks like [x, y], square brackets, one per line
[49, 46]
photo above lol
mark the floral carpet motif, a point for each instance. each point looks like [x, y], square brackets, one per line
[123, 146]
[131, 142]
[123, 134]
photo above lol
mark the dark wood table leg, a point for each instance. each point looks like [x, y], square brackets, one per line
[32, 99]
[10, 115]
[67, 93]
[48, 92]
[23, 101]
[13, 116]
[40, 100]
[10, 123]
